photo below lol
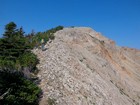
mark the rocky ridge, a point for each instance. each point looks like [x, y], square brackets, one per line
[82, 67]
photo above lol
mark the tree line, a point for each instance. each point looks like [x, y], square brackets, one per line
[18, 84]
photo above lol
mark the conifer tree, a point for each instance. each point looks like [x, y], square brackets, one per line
[12, 46]
[10, 30]
[15, 55]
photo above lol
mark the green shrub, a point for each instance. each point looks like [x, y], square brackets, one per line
[28, 60]
[15, 55]
[6, 64]
[22, 91]
[49, 34]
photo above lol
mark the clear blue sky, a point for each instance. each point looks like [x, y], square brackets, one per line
[118, 20]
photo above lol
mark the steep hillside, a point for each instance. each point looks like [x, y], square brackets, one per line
[81, 67]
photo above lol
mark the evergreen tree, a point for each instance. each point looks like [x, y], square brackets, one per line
[12, 46]
[21, 32]
[10, 30]
[15, 55]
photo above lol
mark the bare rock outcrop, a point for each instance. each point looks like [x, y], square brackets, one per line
[82, 67]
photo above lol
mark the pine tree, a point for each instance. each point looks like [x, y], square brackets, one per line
[10, 30]
[12, 45]
[15, 55]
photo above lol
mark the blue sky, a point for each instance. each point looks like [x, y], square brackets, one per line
[118, 20]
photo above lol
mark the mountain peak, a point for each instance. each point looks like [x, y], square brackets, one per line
[82, 67]
[81, 33]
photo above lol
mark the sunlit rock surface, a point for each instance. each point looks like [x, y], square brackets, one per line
[82, 67]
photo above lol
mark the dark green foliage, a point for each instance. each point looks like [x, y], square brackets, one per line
[20, 90]
[28, 60]
[13, 46]
[16, 64]
[15, 55]
[10, 30]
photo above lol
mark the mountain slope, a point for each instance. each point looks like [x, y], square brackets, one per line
[81, 67]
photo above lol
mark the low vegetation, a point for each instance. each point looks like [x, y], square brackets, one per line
[17, 62]
[35, 38]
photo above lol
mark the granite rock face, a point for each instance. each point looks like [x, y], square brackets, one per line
[82, 67]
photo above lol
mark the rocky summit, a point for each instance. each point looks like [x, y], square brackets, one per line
[82, 67]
